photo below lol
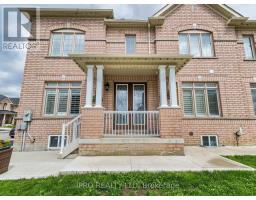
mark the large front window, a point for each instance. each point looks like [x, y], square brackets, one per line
[249, 49]
[198, 44]
[62, 98]
[64, 42]
[200, 99]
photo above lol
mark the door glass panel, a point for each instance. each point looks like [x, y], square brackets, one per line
[121, 103]
[139, 103]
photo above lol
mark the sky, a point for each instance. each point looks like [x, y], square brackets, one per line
[12, 62]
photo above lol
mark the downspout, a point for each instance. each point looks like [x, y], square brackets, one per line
[149, 38]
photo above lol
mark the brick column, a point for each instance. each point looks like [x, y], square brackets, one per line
[92, 123]
[170, 122]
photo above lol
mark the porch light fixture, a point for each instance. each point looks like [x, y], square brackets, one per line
[106, 86]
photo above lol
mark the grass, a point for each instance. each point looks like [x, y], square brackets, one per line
[249, 160]
[137, 183]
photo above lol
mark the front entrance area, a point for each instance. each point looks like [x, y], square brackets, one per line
[131, 117]
[130, 97]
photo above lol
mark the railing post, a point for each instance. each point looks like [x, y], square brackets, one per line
[62, 138]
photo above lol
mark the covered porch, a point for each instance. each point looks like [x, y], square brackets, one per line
[128, 97]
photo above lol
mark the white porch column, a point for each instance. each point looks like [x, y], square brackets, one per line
[173, 89]
[89, 86]
[99, 86]
[4, 118]
[162, 80]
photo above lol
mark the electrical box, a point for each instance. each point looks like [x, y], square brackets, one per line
[23, 126]
[27, 116]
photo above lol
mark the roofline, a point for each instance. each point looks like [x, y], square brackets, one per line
[224, 6]
[73, 12]
[153, 21]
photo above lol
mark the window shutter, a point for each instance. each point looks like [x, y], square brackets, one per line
[75, 101]
[213, 102]
[63, 101]
[187, 102]
[200, 102]
[50, 102]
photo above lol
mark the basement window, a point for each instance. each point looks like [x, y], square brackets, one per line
[54, 141]
[209, 140]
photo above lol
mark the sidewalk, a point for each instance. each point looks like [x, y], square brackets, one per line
[45, 163]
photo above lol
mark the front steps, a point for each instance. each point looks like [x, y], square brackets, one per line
[131, 146]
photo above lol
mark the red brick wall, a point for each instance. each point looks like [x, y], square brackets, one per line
[231, 71]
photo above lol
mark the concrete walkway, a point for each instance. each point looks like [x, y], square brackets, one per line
[41, 164]
[195, 159]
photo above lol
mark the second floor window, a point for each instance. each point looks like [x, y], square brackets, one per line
[200, 99]
[249, 49]
[130, 44]
[64, 42]
[62, 98]
[198, 44]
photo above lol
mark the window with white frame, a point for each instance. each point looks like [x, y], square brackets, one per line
[196, 43]
[249, 48]
[62, 98]
[65, 41]
[200, 99]
[209, 140]
[130, 44]
[54, 141]
[253, 90]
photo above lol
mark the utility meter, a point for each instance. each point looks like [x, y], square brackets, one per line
[27, 116]
[23, 126]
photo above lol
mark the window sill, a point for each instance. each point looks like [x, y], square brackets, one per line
[58, 117]
[58, 57]
[253, 59]
[205, 117]
[205, 57]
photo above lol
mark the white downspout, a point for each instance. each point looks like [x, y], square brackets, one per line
[149, 38]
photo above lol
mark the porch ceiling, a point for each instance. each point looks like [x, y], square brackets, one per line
[116, 64]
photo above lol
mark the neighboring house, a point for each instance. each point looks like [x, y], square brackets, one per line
[8, 109]
[185, 76]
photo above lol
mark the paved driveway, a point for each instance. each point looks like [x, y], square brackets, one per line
[45, 163]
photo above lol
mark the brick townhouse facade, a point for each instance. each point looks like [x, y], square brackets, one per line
[184, 76]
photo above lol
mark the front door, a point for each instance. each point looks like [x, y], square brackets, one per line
[130, 97]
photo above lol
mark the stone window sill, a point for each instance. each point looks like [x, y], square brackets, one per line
[214, 57]
[58, 57]
[249, 59]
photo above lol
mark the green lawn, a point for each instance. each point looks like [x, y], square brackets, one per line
[137, 183]
[249, 160]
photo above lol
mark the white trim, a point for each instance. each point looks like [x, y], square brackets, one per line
[168, 6]
[215, 135]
